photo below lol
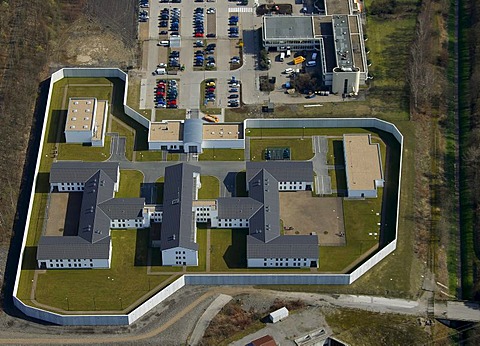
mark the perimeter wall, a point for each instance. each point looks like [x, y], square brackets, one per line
[204, 279]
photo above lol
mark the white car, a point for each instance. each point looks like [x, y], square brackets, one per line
[288, 70]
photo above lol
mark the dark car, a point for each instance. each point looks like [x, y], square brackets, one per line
[211, 35]
[163, 32]
[175, 53]
[233, 96]
[163, 24]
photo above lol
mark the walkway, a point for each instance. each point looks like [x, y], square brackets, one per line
[207, 316]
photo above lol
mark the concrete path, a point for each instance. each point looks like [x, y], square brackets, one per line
[207, 316]
[207, 256]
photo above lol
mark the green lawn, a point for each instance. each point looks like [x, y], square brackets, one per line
[70, 151]
[117, 126]
[159, 184]
[202, 251]
[299, 132]
[338, 179]
[228, 249]
[222, 155]
[149, 155]
[210, 187]
[169, 114]
[102, 289]
[133, 97]
[130, 182]
[300, 149]
[360, 219]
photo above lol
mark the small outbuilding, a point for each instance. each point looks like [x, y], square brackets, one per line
[266, 340]
[278, 315]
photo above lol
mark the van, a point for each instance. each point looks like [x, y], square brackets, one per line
[282, 56]
[164, 43]
[288, 70]
[311, 63]
[314, 56]
[289, 53]
[160, 71]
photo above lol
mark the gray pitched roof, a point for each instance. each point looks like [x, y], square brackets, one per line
[282, 170]
[79, 171]
[94, 223]
[124, 208]
[285, 246]
[72, 248]
[265, 224]
[237, 207]
[178, 224]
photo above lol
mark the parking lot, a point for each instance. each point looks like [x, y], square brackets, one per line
[227, 24]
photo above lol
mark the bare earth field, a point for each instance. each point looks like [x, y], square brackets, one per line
[323, 216]
[63, 214]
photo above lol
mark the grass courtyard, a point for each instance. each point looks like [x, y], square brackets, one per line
[103, 289]
[130, 182]
[210, 187]
[300, 149]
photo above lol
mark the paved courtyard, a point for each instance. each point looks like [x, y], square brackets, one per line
[63, 213]
[322, 215]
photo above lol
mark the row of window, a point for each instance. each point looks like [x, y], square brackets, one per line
[68, 184]
[180, 257]
[283, 259]
[179, 252]
[203, 208]
[180, 262]
[294, 264]
[75, 265]
[290, 182]
[68, 188]
[70, 260]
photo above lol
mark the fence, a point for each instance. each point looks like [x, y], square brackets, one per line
[205, 279]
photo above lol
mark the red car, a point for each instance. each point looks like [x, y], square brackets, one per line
[198, 34]
[211, 89]
[172, 102]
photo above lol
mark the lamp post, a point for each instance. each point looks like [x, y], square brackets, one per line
[68, 304]
[303, 132]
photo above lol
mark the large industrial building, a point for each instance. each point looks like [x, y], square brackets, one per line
[338, 39]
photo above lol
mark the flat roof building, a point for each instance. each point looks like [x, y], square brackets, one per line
[86, 121]
[194, 135]
[338, 39]
[363, 165]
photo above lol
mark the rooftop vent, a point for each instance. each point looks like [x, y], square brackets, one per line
[75, 103]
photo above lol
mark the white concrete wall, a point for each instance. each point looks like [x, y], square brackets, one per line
[281, 262]
[205, 279]
[223, 144]
[179, 256]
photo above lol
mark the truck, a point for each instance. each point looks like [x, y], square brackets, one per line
[282, 56]
[211, 118]
[298, 60]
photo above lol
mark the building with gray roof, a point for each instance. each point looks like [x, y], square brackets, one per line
[71, 175]
[291, 175]
[193, 135]
[99, 212]
[179, 231]
[338, 39]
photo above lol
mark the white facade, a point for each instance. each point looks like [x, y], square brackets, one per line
[229, 223]
[204, 213]
[366, 193]
[278, 315]
[281, 262]
[174, 145]
[179, 256]
[98, 139]
[67, 187]
[75, 263]
[345, 82]
[223, 144]
[294, 185]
